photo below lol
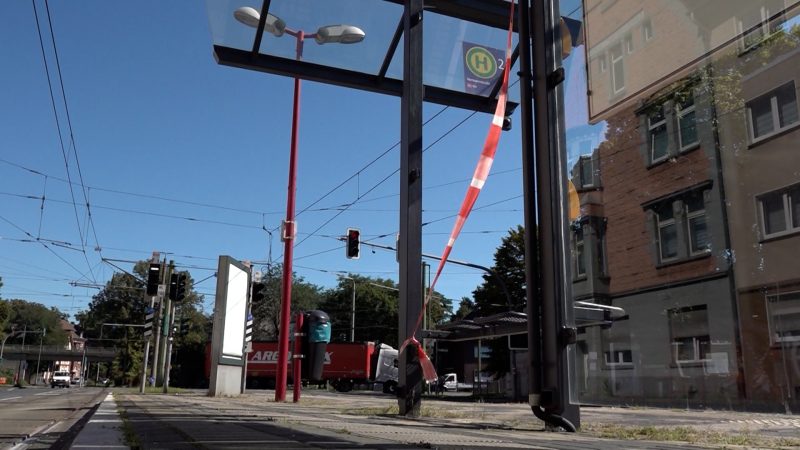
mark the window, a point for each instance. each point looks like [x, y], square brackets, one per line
[586, 172]
[601, 249]
[772, 112]
[696, 224]
[691, 349]
[784, 317]
[667, 233]
[780, 212]
[756, 25]
[580, 253]
[629, 43]
[647, 30]
[617, 69]
[618, 357]
[679, 226]
[657, 130]
[616, 344]
[687, 126]
[689, 334]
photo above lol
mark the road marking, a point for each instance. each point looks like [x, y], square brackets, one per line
[48, 393]
[9, 398]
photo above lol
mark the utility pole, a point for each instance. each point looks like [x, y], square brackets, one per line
[39, 359]
[153, 259]
[164, 312]
[169, 337]
[20, 373]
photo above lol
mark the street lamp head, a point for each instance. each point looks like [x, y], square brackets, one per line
[340, 34]
[250, 17]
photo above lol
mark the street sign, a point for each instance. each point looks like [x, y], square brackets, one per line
[162, 290]
[482, 67]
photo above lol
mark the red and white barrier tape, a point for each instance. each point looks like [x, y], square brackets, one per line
[478, 180]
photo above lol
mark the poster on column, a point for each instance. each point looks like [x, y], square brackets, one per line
[483, 66]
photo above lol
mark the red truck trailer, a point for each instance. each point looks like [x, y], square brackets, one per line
[346, 364]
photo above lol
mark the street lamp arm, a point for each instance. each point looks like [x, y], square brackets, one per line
[3, 347]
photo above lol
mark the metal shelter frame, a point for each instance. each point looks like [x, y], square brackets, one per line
[550, 325]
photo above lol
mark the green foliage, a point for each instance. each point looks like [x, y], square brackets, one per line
[509, 266]
[491, 298]
[189, 349]
[465, 307]
[123, 301]
[32, 316]
[376, 309]
[267, 313]
[5, 313]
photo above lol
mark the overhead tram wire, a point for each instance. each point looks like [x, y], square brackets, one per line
[39, 198]
[358, 172]
[82, 274]
[135, 211]
[71, 132]
[436, 186]
[360, 196]
[375, 186]
[60, 136]
[140, 195]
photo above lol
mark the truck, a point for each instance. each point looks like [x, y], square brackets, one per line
[346, 365]
[449, 382]
[61, 378]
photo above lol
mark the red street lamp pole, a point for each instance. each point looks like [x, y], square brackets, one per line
[288, 237]
[341, 34]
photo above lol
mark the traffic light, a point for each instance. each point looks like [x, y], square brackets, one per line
[177, 287]
[153, 278]
[353, 243]
[258, 291]
[186, 323]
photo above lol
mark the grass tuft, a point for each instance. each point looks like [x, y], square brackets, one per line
[685, 434]
[426, 411]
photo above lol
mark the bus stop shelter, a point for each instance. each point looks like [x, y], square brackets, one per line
[410, 53]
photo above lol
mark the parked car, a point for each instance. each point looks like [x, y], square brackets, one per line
[61, 379]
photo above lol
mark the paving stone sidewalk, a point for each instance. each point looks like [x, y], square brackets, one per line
[369, 421]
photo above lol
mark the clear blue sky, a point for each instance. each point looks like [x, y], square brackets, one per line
[152, 114]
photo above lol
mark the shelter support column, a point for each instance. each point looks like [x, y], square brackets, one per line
[410, 251]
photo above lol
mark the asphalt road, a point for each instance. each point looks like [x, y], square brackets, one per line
[41, 412]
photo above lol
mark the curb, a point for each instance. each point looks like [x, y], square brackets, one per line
[65, 440]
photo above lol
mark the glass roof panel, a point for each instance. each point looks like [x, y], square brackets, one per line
[450, 46]
[378, 20]
[446, 41]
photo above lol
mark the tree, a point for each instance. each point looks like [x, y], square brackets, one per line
[376, 312]
[509, 265]
[465, 307]
[4, 310]
[194, 331]
[120, 301]
[35, 317]
[490, 298]
[267, 313]
[123, 301]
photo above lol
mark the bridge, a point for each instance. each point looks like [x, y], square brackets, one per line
[57, 353]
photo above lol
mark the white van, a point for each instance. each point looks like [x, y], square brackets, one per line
[61, 379]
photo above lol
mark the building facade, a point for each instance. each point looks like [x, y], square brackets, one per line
[690, 205]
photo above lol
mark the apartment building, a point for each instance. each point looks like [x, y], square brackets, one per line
[690, 207]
